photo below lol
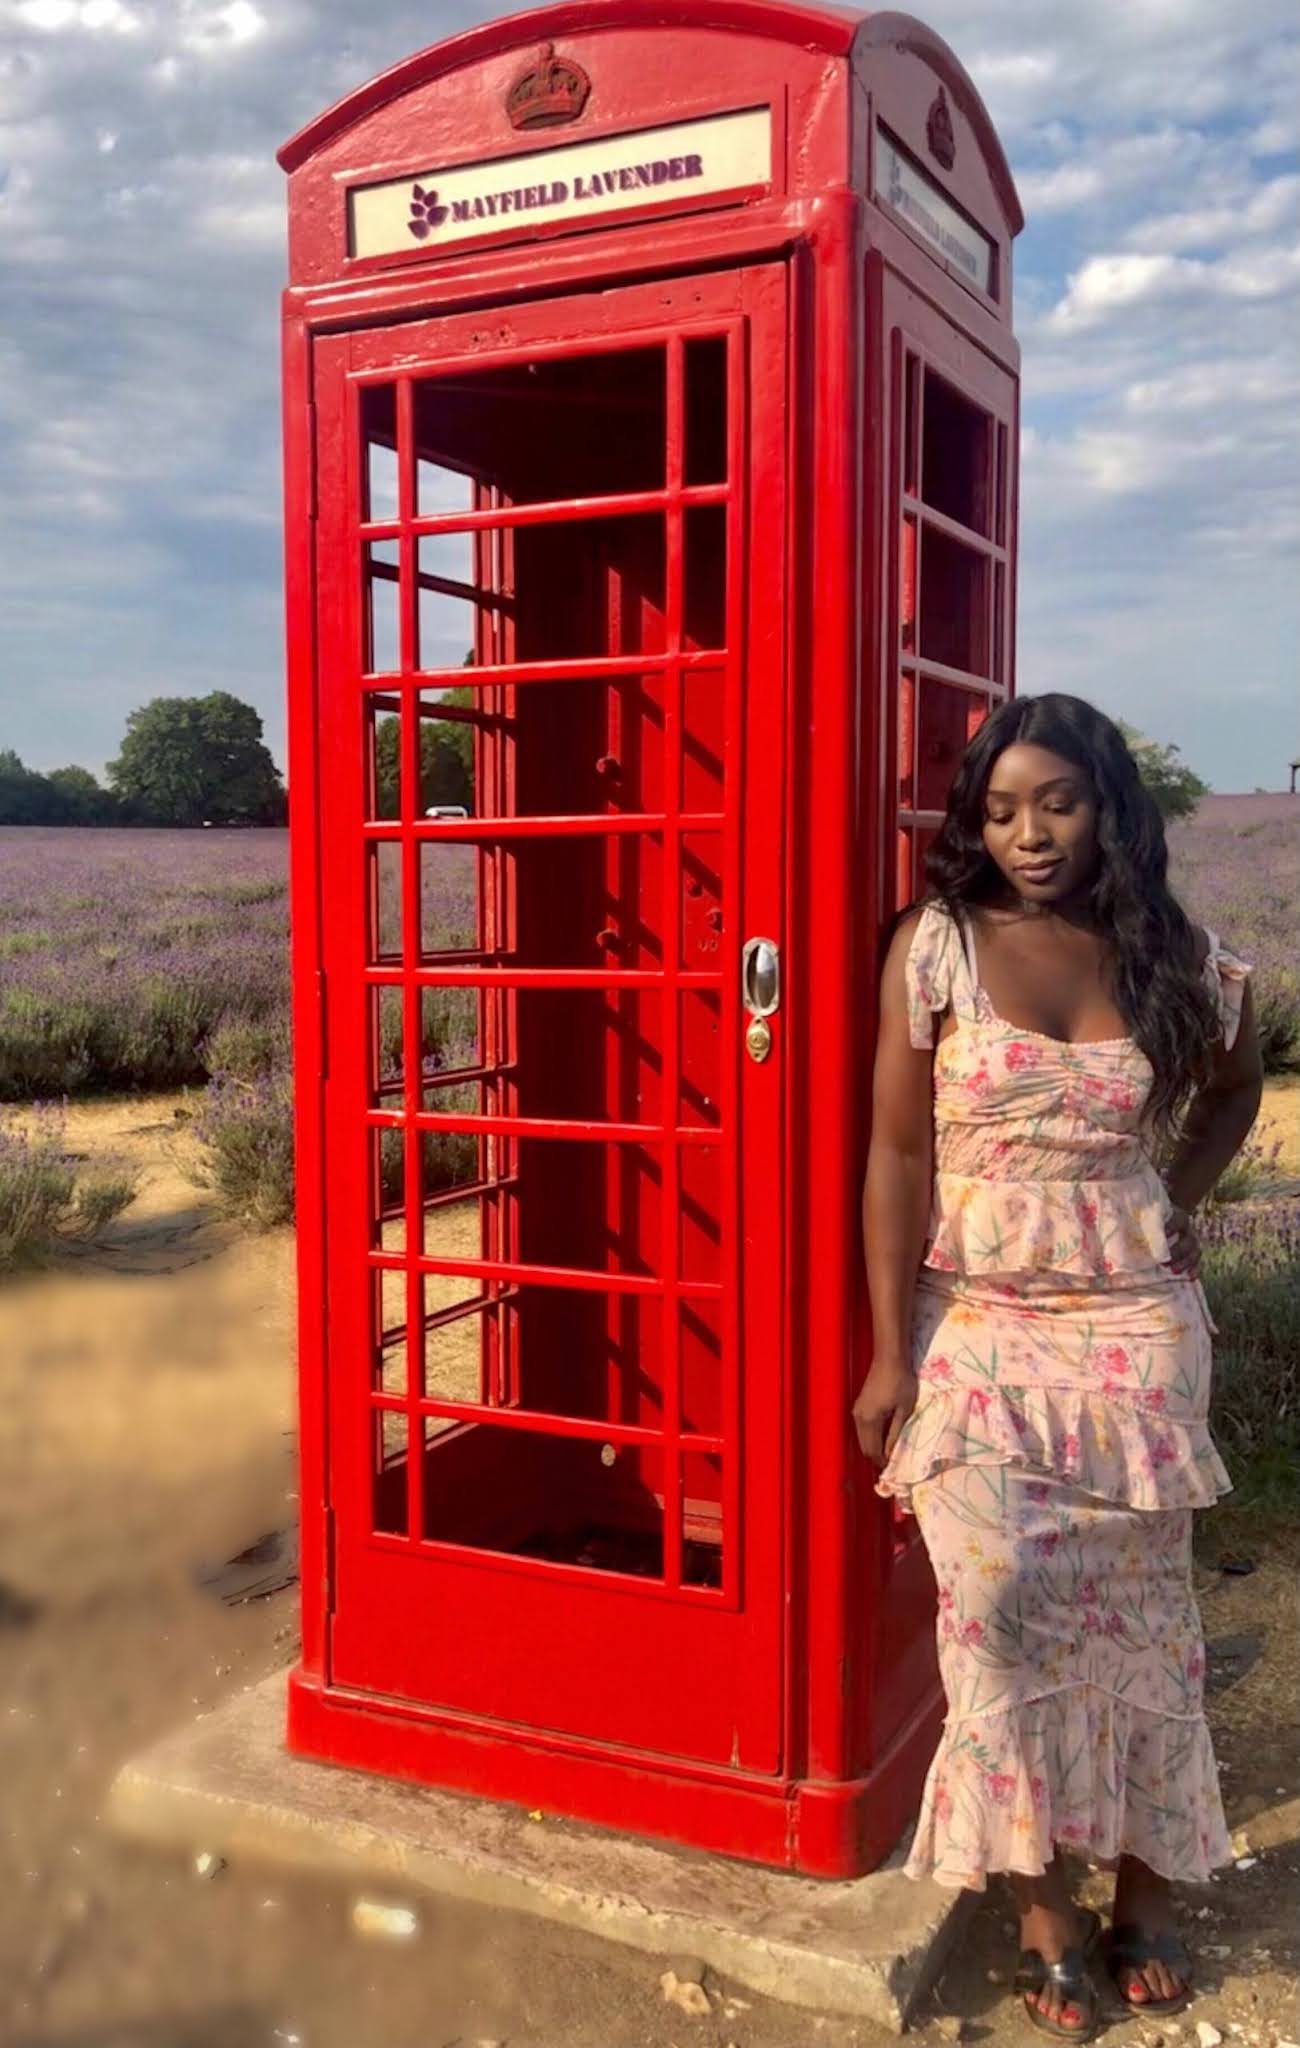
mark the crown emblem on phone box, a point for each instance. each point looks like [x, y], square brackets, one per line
[552, 91]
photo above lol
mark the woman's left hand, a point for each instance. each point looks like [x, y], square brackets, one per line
[1184, 1244]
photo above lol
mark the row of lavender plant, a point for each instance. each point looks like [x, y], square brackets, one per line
[1252, 1279]
[122, 952]
[152, 959]
[1236, 865]
[47, 1194]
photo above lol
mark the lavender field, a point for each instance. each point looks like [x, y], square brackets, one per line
[126, 956]
[122, 952]
[1236, 865]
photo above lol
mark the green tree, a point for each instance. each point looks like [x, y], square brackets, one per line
[446, 759]
[25, 797]
[1176, 788]
[189, 759]
[81, 799]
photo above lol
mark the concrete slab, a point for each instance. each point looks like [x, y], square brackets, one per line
[226, 1784]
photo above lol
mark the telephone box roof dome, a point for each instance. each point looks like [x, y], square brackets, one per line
[838, 31]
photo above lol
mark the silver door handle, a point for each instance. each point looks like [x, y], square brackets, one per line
[760, 976]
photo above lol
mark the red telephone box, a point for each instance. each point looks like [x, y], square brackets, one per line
[651, 453]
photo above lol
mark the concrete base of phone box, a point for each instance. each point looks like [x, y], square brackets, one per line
[227, 1784]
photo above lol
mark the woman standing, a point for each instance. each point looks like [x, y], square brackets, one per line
[1052, 1027]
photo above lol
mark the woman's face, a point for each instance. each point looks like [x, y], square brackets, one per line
[1040, 824]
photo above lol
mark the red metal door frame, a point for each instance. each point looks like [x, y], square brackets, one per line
[728, 1639]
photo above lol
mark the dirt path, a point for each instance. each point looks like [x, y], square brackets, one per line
[145, 1418]
[1279, 1121]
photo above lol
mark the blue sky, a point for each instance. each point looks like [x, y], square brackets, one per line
[1155, 143]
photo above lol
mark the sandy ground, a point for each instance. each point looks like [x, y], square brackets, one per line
[1279, 1122]
[145, 1430]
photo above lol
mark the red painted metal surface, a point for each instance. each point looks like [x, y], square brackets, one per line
[646, 572]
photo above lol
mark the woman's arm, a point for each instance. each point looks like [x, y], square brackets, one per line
[1219, 1117]
[895, 1206]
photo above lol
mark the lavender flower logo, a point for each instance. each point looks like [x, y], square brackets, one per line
[426, 214]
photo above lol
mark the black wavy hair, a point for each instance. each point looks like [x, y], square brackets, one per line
[1155, 949]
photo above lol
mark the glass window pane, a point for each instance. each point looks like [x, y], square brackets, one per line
[954, 604]
[453, 736]
[459, 1339]
[907, 586]
[388, 1189]
[699, 1214]
[700, 1367]
[389, 1471]
[453, 591]
[701, 900]
[560, 427]
[384, 863]
[589, 1054]
[380, 609]
[701, 1519]
[945, 715]
[451, 1032]
[379, 453]
[384, 766]
[590, 587]
[706, 411]
[539, 1496]
[388, 1332]
[585, 901]
[453, 892]
[703, 728]
[956, 455]
[588, 1206]
[387, 1073]
[699, 1053]
[911, 423]
[704, 597]
[439, 488]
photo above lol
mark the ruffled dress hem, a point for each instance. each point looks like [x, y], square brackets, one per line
[1115, 1446]
[1077, 1769]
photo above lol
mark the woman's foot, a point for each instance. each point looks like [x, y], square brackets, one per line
[1052, 1929]
[1150, 1966]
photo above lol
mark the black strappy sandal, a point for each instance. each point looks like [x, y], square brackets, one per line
[1070, 1977]
[1130, 1948]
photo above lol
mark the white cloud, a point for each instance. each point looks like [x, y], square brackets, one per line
[1229, 383]
[1057, 190]
[257, 223]
[1261, 211]
[51, 16]
[1275, 138]
[1157, 290]
[1108, 285]
[227, 27]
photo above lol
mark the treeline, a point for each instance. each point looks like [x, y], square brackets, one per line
[184, 761]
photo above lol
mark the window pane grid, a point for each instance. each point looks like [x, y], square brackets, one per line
[686, 1522]
[951, 481]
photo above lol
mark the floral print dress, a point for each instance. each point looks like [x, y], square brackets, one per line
[1057, 1449]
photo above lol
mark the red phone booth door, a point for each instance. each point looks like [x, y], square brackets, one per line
[550, 686]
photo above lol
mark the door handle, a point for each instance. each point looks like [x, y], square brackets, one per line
[760, 987]
[760, 976]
